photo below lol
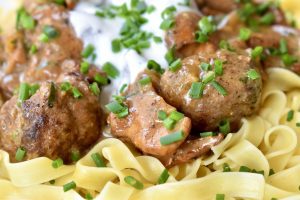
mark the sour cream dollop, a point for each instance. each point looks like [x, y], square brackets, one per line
[100, 32]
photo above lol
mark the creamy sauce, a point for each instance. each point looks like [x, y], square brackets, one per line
[101, 31]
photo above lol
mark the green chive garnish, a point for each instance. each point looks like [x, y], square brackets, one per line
[244, 169]
[24, 20]
[162, 115]
[20, 154]
[207, 134]
[84, 67]
[176, 65]
[210, 76]
[163, 177]
[176, 116]
[170, 57]
[256, 52]
[224, 126]
[205, 66]
[102, 80]
[253, 74]
[52, 95]
[283, 48]
[123, 87]
[69, 186]
[24, 92]
[57, 163]
[172, 138]
[226, 168]
[95, 89]
[98, 160]
[145, 81]
[116, 45]
[110, 70]
[75, 155]
[206, 26]
[290, 116]
[201, 37]
[153, 65]
[219, 88]
[218, 67]
[167, 24]
[65, 86]
[196, 90]
[220, 196]
[169, 123]
[76, 93]
[134, 182]
[88, 51]
[50, 31]
[267, 19]
[245, 34]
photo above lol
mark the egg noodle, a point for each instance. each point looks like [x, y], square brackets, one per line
[265, 142]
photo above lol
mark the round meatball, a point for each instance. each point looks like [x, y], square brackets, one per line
[206, 112]
[52, 122]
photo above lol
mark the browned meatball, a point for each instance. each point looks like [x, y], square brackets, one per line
[213, 7]
[207, 112]
[182, 36]
[52, 122]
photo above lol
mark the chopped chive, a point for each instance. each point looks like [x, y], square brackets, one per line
[289, 60]
[134, 182]
[110, 70]
[119, 98]
[116, 45]
[170, 55]
[157, 39]
[176, 116]
[122, 89]
[98, 160]
[283, 48]
[84, 67]
[162, 115]
[88, 196]
[274, 198]
[218, 67]
[206, 26]
[145, 81]
[153, 65]
[88, 51]
[75, 155]
[65, 86]
[43, 38]
[150, 9]
[50, 31]
[205, 66]
[226, 167]
[244, 169]
[223, 44]
[290, 116]
[33, 89]
[267, 19]
[52, 182]
[33, 49]
[57, 163]
[163, 177]
[24, 92]
[52, 95]
[196, 90]
[298, 124]
[220, 196]
[124, 113]
[207, 134]
[168, 12]
[69, 186]
[102, 80]
[224, 126]
[20, 154]
[210, 76]
[76, 93]
[60, 2]
[253, 74]
[201, 37]
[95, 89]
[172, 138]
[114, 107]
[245, 34]
[271, 172]
[24, 20]
[256, 52]
[219, 88]
[176, 65]
[167, 24]
[169, 123]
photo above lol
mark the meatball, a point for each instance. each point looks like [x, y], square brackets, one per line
[52, 122]
[182, 36]
[206, 112]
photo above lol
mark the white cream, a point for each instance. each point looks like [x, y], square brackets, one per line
[100, 32]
